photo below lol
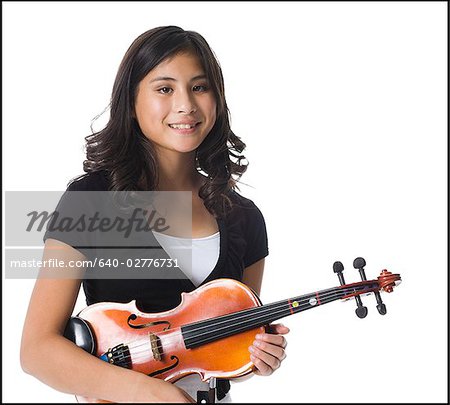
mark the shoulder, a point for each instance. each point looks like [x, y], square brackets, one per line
[93, 181]
[242, 202]
[247, 229]
[245, 209]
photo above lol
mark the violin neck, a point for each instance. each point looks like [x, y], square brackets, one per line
[209, 330]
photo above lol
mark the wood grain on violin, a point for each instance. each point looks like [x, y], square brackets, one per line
[209, 333]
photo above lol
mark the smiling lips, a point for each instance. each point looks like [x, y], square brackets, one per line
[184, 125]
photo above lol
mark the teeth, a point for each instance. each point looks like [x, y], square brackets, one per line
[181, 126]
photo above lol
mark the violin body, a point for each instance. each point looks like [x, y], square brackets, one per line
[154, 342]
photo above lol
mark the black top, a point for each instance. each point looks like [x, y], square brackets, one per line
[243, 241]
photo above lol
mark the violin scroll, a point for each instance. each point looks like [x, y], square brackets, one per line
[388, 281]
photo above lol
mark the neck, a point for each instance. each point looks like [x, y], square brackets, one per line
[213, 329]
[177, 172]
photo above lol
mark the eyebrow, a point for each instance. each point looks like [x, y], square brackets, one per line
[162, 78]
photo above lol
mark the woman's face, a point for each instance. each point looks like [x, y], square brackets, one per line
[175, 106]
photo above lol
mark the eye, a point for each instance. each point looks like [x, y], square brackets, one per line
[165, 90]
[200, 88]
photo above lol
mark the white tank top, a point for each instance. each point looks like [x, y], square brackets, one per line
[196, 257]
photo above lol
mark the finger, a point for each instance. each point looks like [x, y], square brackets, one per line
[273, 361]
[276, 340]
[278, 328]
[272, 349]
[262, 368]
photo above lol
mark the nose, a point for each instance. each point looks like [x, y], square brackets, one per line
[185, 103]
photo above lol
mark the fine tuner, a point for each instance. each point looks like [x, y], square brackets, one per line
[361, 310]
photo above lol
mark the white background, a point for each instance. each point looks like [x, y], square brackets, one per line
[343, 107]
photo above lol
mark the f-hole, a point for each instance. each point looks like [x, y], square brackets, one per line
[163, 370]
[133, 317]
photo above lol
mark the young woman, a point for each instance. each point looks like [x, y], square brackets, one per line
[168, 131]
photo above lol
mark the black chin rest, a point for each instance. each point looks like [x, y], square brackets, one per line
[79, 332]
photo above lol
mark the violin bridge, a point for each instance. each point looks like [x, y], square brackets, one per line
[154, 346]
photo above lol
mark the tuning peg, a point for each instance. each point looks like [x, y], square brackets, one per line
[361, 311]
[380, 305]
[338, 268]
[359, 264]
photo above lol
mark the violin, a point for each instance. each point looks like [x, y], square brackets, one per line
[208, 333]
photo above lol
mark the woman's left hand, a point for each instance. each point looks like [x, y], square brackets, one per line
[267, 351]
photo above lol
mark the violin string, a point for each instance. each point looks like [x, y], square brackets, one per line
[174, 336]
[283, 305]
[325, 294]
[280, 305]
[239, 315]
[280, 309]
[144, 353]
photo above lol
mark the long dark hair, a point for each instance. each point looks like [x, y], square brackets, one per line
[123, 151]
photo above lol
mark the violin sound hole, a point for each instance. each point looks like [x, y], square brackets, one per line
[133, 317]
[163, 370]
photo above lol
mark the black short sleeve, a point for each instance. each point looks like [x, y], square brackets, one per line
[72, 207]
[256, 236]
[62, 224]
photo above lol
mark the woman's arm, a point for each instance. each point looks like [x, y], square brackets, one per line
[59, 363]
[267, 351]
[253, 276]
